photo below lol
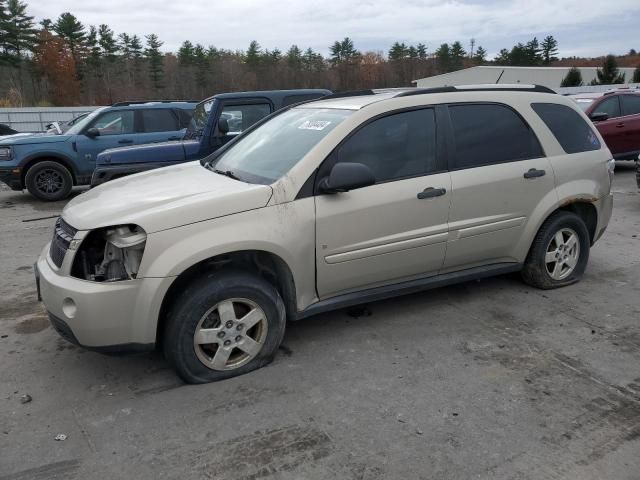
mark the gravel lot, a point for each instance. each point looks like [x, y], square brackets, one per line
[484, 380]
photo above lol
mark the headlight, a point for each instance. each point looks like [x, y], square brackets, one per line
[110, 254]
[5, 153]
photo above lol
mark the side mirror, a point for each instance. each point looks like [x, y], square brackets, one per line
[599, 116]
[223, 126]
[347, 176]
[93, 133]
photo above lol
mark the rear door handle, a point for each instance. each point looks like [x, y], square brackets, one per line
[620, 125]
[432, 192]
[174, 138]
[534, 173]
[125, 140]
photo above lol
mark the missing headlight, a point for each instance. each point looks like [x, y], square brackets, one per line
[110, 254]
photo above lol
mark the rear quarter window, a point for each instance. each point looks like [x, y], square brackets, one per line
[572, 132]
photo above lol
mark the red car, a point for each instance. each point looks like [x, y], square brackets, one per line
[616, 115]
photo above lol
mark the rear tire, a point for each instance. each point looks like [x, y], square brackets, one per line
[224, 324]
[559, 254]
[49, 181]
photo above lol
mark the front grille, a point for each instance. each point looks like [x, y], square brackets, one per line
[62, 237]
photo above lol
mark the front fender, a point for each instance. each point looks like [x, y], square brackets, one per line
[285, 230]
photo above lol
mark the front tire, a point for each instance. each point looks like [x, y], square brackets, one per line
[559, 254]
[49, 181]
[224, 324]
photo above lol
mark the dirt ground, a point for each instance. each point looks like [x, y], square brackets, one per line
[484, 380]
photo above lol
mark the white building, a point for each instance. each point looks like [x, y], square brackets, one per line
[548, 76]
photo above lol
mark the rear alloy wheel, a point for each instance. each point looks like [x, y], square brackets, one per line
[49, 181]
[223, 324]
[559, 253]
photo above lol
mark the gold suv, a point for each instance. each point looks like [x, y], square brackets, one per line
[324, 205]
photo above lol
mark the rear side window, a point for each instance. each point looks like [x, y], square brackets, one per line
[571, 131]
[630, 104]
[490, 133]
[397, 146]
[291, 99]
[159, 120]
[610, 106]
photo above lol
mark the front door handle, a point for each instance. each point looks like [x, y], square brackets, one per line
[620, 125]
[534, 173]
[432, 192]
[125, 141]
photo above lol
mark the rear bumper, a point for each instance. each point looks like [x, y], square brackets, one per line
[605, 208]
[104, 173]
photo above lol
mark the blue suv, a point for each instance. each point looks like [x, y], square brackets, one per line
[49, 165]
[217, 120]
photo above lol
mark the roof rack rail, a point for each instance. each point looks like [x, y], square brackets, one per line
[351, 93]
[479, 88]
[140, 102]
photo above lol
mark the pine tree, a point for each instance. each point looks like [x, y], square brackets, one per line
[69, 28]
[108, 43]
[636, 75]
[20, 34]
[532, 55]
[457, 55]
[422, 51]
[135, 46]
[398, 51]
[254, 54]
[609, 74]
[186, 53]
[480, 56]
[3, 32]
[155, 60]
[124, 45]
[294, 57]
[443, 58]
[201, 61]
[343, 52]
[94, 55]
[549, 50]
[503, 58]
[572, 79]
[312, 61]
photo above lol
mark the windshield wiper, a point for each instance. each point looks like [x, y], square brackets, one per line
[227, 173]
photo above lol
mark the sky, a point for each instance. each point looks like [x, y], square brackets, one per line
[582, 27]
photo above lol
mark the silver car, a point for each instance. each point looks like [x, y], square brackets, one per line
[328, 204]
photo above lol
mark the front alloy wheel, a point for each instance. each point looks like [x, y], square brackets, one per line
[222, 324]
[230, 334]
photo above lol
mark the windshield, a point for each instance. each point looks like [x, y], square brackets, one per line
[199, 120]
[584, 103]
[79, 126]
[272, 149]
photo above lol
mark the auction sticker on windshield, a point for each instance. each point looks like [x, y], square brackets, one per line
[314, 125]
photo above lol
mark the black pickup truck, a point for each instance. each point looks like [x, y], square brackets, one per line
[215, 121]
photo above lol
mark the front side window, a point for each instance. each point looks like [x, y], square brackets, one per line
[630, 104]
[115, 123]
[569, 128]
[490, 133]
[199, 119]
[159, 120]
[397, 146]
[273, 148]
[241, 117]
[610, 106]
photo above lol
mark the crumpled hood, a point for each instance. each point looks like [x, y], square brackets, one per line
[164, 198]
[39, 138]
[151, 152]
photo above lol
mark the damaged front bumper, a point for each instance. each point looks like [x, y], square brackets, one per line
[104, 316]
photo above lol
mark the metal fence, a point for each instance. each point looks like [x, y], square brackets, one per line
[35, 119]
